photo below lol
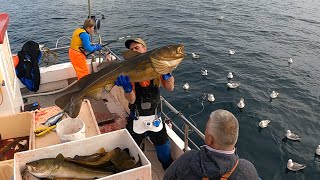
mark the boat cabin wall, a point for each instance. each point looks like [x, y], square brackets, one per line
[11, 102]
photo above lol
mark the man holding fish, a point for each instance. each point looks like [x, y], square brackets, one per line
[144, 104]
[140, 76]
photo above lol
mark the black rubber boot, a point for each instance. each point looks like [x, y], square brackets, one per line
[167, 164]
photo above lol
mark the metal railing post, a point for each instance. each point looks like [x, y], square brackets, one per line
[185, 120]
[186, 135]
[187, 125]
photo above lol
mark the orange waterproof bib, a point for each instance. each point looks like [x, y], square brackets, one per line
[79, 63]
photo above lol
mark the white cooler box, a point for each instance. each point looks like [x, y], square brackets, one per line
[109, 141]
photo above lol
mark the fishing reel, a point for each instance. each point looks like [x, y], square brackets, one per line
[97, 22]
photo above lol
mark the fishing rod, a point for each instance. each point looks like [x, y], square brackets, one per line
[103, 45]
[203, 96]
[111, 41]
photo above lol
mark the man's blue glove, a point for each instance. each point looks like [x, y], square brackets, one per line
[97, 47]
[124, 81]
[166, 76]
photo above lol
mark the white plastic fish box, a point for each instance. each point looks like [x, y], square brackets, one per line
[14, 126]
[109, 141]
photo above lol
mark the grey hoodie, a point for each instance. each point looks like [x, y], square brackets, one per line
[193, 165]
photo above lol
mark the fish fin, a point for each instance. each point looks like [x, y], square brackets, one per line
[138, 164]
[59, 158]
[129, 54]
[157, 81]
[76, 110]
[83, 80]
[108, 87]
[95, 94]
[104, 64]
[69, 104]
[64, 100]
[102, 150]
[58, 161]
[127, 150]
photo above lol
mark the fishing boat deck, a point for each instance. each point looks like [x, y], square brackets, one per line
[116, 110]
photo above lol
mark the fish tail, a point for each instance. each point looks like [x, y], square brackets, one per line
[139, 163]
[70, 103]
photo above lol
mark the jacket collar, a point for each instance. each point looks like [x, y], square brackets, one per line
[219, 151]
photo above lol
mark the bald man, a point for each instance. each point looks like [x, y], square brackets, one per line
[217, 159]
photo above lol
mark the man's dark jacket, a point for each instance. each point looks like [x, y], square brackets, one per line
[193, 165]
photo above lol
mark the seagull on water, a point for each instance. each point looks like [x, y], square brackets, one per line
[264, 123]
[195, 56]
[274, 94]
[292, 136]
[102, 16]
[220, 18]
[230, 75]
[186, 86]
[294, 166]
[211, 98]
[231, 52]
[233, 85]
[290, 61]
[204, 72]
[318, 150]
[241, 103]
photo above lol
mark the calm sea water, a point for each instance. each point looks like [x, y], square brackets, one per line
[264, 34]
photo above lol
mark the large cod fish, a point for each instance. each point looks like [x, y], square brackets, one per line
[59, 168]
[139, 67]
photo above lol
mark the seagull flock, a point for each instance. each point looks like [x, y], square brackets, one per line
[291, 165]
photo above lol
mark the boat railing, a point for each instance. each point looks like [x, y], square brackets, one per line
[187, 125]
[44, 49]
[111, 52]
[53, 52]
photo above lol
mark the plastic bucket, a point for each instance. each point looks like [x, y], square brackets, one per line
[70, 129]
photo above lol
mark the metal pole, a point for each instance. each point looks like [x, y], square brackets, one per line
[89, 7]
[180, 131]
[186, 135]
[113, 53]
[100, 42]
[54, 49]
[186, 121]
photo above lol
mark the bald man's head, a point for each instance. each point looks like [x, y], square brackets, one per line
[222, 130]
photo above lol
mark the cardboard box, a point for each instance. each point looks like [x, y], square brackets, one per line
[17, 125]
[109, 141]
[14, 126]
[6, 169]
